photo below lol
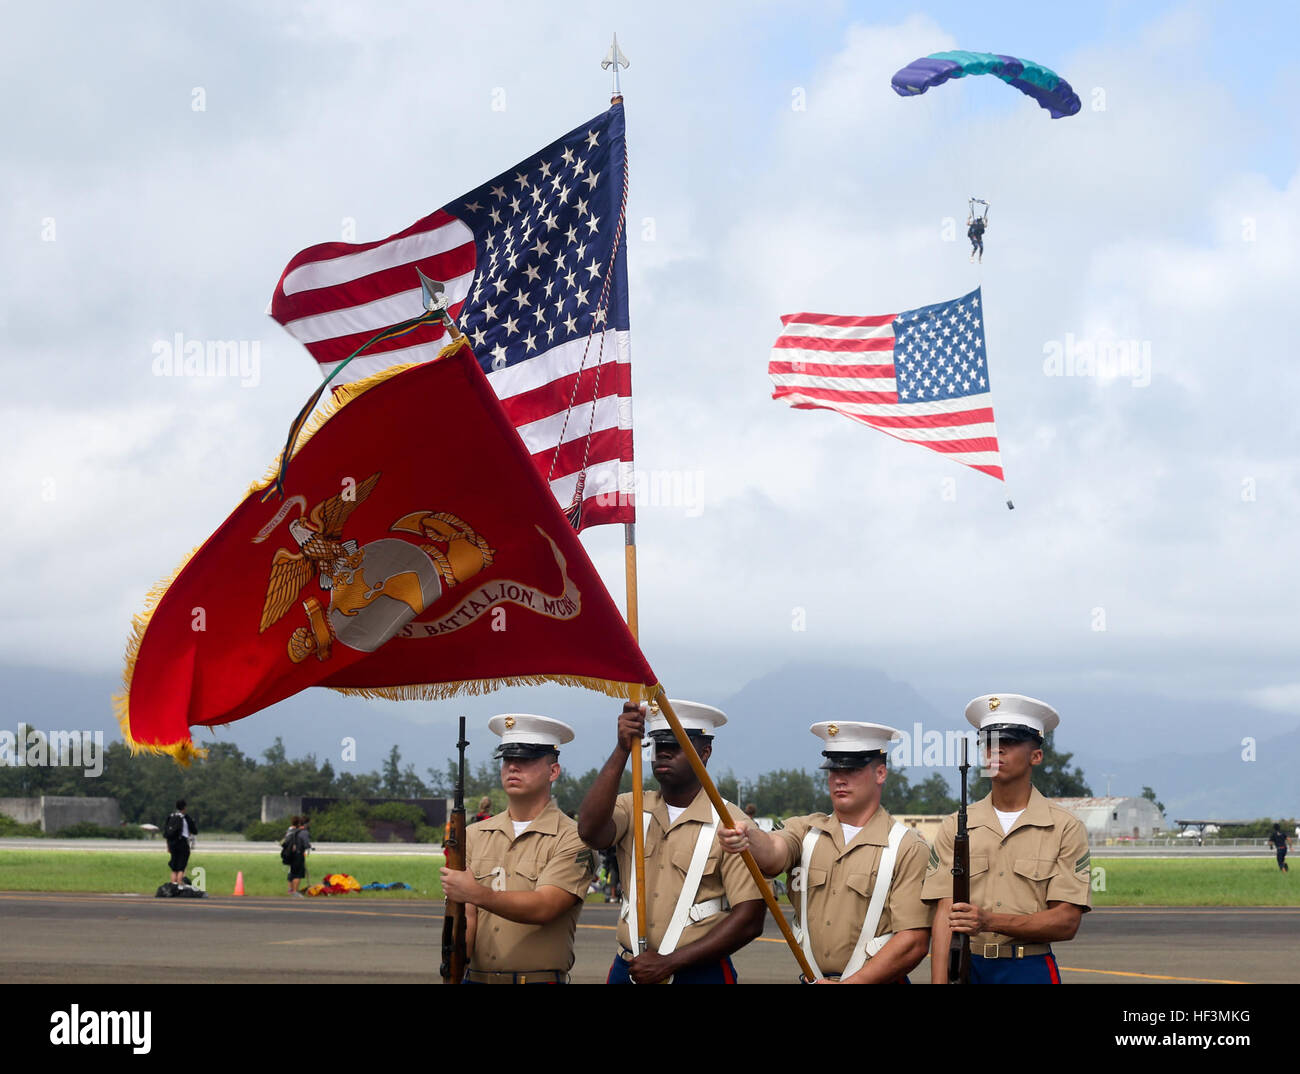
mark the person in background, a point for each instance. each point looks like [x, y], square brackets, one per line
[179, 831]
[1281, 843]
[298, 841]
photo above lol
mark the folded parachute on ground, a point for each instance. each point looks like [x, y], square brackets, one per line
[336, 884]
[1033, 79]
[342, 882]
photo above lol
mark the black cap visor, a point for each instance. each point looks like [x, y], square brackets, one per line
[666, 737]
[857, 759]
[524, 751]
[1010, 732]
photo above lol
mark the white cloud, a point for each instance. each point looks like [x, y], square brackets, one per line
[1281, 698]
[1124, 223]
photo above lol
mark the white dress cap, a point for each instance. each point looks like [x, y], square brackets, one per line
[854, 736]
[694, 717]
[522, 729]
[1009, 712]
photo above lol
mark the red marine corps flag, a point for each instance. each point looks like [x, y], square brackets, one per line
[416, 553]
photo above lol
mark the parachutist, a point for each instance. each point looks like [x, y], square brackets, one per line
[975, 225]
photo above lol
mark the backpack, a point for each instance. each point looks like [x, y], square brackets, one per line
[289, 848]
[172, 828]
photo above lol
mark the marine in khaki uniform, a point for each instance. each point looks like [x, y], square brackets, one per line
[527, 871]
[701, 904]
[841, 859]
[1030, 867]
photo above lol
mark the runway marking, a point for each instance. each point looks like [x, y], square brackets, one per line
[1152, 976]
[1230, 910]
[316, 941]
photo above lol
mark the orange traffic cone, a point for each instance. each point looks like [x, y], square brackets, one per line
[239, 883]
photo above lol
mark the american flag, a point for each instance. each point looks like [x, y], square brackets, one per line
[536, 271]
[921, 375]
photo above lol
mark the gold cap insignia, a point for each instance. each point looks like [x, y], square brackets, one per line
[653, 708]
[833, 730]
[510, 722]
[993, 703]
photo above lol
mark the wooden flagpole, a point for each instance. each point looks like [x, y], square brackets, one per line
[702, 774]
[638, 789]
[616, 59]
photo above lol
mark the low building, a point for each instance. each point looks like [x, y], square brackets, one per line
[926, 824]
[56, 812]
[1111, 818]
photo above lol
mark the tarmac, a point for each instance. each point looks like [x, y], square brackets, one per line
[125, 939]
[241, 846]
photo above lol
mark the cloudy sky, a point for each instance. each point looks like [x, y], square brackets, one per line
[161, 165]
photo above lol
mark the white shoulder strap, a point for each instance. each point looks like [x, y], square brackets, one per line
[629, 891]
[802, 932]
[869, 943]
[682, 911]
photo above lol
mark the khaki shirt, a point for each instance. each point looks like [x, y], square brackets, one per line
[841, 879]
[1044, 858]
[668, 850]
[547, 854]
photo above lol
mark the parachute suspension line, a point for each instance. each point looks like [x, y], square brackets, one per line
[574, 511]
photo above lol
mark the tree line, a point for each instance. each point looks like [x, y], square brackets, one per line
[225, 788]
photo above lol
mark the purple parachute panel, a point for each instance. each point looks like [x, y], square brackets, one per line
[1034, 80]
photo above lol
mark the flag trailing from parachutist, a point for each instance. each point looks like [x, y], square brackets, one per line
[920, 376]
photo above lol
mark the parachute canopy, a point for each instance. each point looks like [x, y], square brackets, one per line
[1041, 83]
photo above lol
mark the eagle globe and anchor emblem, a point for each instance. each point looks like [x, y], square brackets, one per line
[374, 589]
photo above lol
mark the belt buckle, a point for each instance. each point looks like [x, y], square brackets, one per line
[991, 947]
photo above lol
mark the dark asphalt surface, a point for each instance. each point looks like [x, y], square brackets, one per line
[108, 939]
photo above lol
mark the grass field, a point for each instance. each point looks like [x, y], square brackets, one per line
[118, 871]
[1193, 882]
[1127, 881]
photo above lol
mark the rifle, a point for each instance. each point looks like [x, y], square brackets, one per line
[959, 942]
[455, 957]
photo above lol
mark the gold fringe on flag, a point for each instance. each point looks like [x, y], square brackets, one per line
[185, 752]
[441, 691]
[182, 752]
